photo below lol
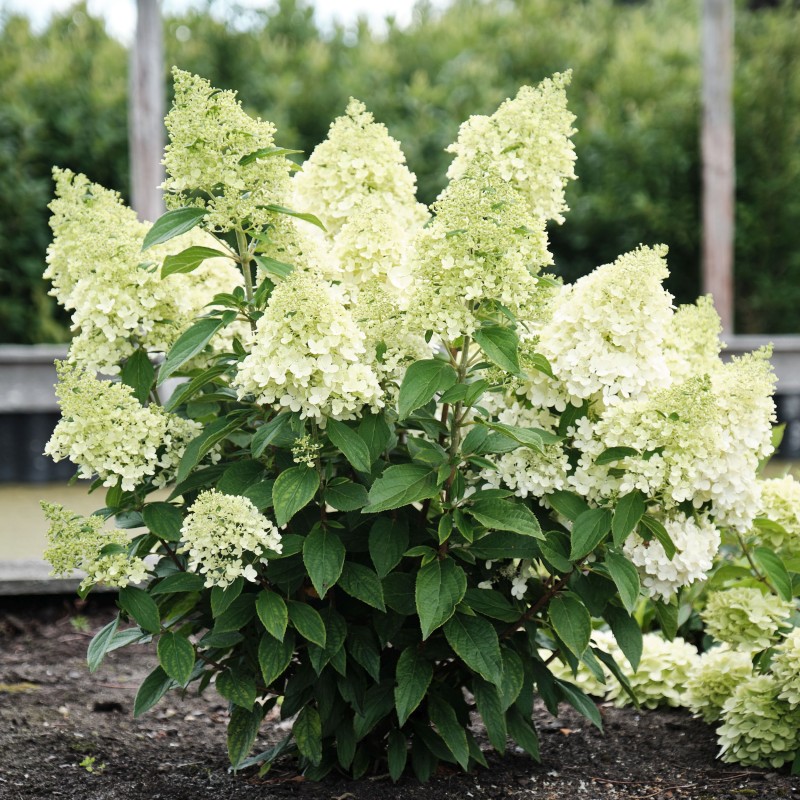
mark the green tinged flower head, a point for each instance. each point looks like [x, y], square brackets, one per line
[745, 617]
[758, 729]
[482, 246]
[714, 679]
[692, 345]
[209, 136]
[528, 140]
[225, 537]
[780, 505]
[105, 431]
[309, 354]
[786, 668]
[358, 160]
[81, 543]
[114, 291]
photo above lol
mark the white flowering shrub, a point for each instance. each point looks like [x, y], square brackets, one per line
[406, 471]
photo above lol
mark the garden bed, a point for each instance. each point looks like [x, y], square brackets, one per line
[54, 716]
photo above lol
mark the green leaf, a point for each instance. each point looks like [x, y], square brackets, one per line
[401, 485]
[775, 571]
[176, 656]
[186, 391]
[189, 260]
[323, 555]
[441, 714]
[222, 597]
[138, 373]
[353, 447]
[375, 432]
[153, 688]
[413, 676]
[237, 615]
[363, 584]
[667, 615]
[567, 504]
[474, 640]
[388, 540]
[500, 345]
[266, 152]
[588, 530]
[615, 670]
[492, 713]
[540, 363]
[164, 520]
[500, 545]
[307, 732]
[172, 224]
[307, 621]
[191, 342]
[237, 686]
[297, 214]
[523, 732]
[242, 731]
[139, 605]
[796, 765]
[398, 593]
[571, 621]
[580, 702]
[240, 476]
[202, 444]
[345, 495]
[362, 646]
[626, 577]
[506, 515]
[101, 644]
[278, 269]
[268, 433]
[513, 678]
[535, 438]
[272, 612]
[179, 582]
[630, 509]
[440, 587]
[654, 527]
[274, 656]
[612, 454]
[396, 754]
[423, 379]
[491, 603]
[294, 489]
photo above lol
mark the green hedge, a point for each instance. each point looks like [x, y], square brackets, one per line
[635, 91]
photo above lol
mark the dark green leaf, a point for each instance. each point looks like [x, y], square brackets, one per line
[491, 603]
[580, 702]
[626, 577]
[398, 593]
[154, 687]
[101, 644]
[506, 515]
[667, 615]
[363, 584]
[654, 527]
[268, 433]
[191, 342]
[474, 640]
[612, 454]
[630, 509]
[414, 674]
[307, 732]
[504, 544]
[775, 570]
[271, 266]
[294, 489]
[307, 621]
[189, 260]
[571, 621]
[139, 605]
[353, 447]
[441, 714]
[179, 582]
[375, 432]
[222, 597]
[266, 152]
[164, 520]
[388, 540]
[588, 530]
[138, 373]
[238, 687]
[500, 345]
[492, 713]
[567, 504]
[172, 224]
[242, 731]
[272, 612]
[323, 555]
[523, 732]
[513, 678]
[237, 615]
[423, 379]
[363, 647]
[176, 656]
[440, 587]
[401, 485]
[274, 656]
[344, 495]
[297, 214]
[240, 476]
[203, 443]
[396, 754]
[540, 363]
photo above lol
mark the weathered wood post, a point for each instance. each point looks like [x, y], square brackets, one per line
[146, 112]
[718, 156]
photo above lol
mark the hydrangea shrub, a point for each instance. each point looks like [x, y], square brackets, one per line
[405, 470]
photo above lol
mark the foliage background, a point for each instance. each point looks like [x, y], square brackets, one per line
[63, 95]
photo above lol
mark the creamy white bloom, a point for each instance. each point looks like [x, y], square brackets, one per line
[696, 542]
[785, 667]
[309, 354]
[528, 140]
[745, 617]
[714, 679]
[692, 344]
[105, 431]
[780, 507]
[604, 340]
[225, 537]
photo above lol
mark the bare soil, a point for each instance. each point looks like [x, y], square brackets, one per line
[55, 716]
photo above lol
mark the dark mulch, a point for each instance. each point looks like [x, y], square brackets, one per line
[54, 715]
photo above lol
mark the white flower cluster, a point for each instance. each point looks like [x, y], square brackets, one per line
[217, 149]
[745, 617]
[714, 678]
[696, 543]
[225, 537]
[105, 431]
[309, 355]
[76, 542]
[114, 291]
[780, 507]
[692, 344]
[785, 667]
[528, 140]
